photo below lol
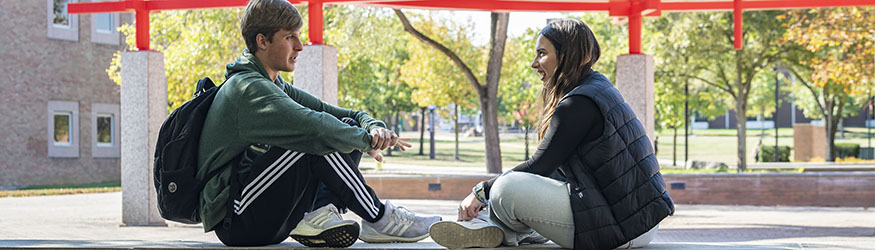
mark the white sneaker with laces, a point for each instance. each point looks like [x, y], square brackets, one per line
[397, 225]
[324, 227]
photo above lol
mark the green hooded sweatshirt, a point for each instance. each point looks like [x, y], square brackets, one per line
[250, 109]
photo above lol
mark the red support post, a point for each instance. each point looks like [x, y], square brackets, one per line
[142, 29]
[737, 22]
[635, 33]
[314, 10]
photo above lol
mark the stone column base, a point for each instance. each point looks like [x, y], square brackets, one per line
[143, 109]
[316, 72]
[635, 82]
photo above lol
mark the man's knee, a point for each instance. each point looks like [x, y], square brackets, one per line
[350, 121]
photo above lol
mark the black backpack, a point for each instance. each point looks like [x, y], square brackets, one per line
[176, 167]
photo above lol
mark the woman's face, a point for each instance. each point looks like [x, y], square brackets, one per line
[546, 59]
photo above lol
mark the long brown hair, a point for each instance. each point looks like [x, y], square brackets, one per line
[577, 50]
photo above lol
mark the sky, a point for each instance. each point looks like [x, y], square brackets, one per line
[519, 22]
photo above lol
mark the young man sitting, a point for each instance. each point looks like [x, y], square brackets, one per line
[284, 144]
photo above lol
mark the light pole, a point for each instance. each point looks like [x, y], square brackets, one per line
[775, 116]
[431, 131]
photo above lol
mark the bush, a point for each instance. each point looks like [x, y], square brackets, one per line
[767, 153]
[845, 150]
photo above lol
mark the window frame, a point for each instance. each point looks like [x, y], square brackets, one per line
[62, 150]
[109, 38]
[103, 150]
[67, 33]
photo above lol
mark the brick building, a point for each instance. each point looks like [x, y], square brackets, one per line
[60, 111]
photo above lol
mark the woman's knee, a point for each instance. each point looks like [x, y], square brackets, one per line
[510, 186]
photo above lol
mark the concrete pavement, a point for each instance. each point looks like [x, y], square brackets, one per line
[92, 221]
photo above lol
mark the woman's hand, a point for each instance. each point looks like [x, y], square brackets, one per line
[469, 208]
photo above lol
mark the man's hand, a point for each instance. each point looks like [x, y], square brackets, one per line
[383, 138]
[469, 208]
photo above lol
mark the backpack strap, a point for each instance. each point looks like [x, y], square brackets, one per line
[203, 85]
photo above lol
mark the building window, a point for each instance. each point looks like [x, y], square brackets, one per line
[60, 19]
[103, 23]
[61, 25]
[104, 28]
[63, 129]
[105, 130]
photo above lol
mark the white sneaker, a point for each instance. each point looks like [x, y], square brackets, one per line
[397, 225]
[466, 234]
[324, 227]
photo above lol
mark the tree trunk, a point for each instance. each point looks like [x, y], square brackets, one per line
[488, 93]
[490, 133]
[422, 131]
[674, 150]
[830, 121]
[456, 121]
[489, 104]
[740, 124]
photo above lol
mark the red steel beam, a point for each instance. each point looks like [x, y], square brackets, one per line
[631, 9]
[314, 9]
[497, 5]
[736, 25]
[761, 5]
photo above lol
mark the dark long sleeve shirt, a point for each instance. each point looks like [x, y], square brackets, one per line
[576, 120]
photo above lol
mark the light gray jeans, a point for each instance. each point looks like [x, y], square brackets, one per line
[521, 202]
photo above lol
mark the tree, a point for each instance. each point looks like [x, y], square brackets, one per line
[369, 64]
[436, 80]
[834, 62]
[198, 43]
[195, 43]
[733, 71]
[487, 93]
[671, 42]
[519, 92]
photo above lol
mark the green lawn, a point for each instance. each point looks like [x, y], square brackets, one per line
[705, 144]
[720, 144]
[471, 151]
[100, 187]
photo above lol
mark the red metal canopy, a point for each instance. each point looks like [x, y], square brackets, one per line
[631, 10]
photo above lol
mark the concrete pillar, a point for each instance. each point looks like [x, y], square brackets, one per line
[635, 82]
[316, 72]
[143, 109]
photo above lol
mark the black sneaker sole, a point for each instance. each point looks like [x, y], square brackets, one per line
[452, 235]
[343, 236]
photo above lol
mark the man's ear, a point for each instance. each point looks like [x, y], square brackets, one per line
[262, 41]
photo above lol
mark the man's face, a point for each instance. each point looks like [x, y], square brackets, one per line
[282, 50]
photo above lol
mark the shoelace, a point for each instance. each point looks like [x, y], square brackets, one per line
[403, 216]
[335, 213]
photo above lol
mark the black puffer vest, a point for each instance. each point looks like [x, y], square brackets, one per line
[617, 192]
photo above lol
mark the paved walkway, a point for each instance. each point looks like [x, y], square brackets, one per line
[88, 221]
